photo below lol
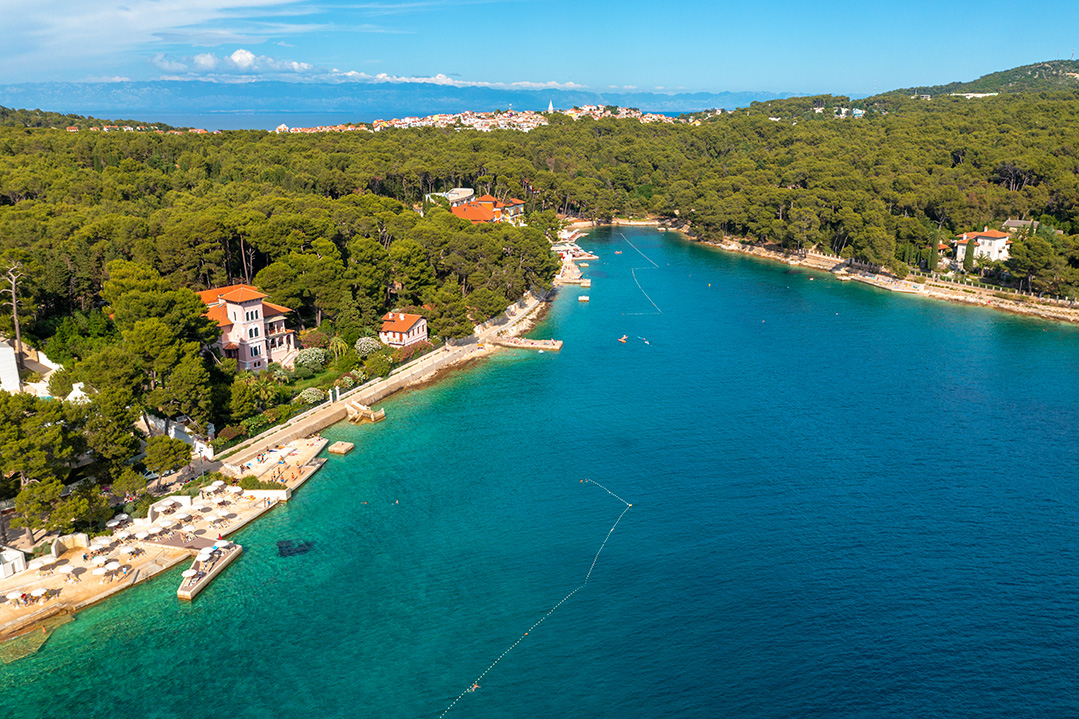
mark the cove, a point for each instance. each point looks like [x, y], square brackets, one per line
[845, 503]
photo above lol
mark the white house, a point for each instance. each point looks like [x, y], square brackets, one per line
[992, 244]
[400, 329]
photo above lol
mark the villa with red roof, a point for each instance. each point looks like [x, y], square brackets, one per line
[490, 209]
[252, 329]
[401, 330]
[992, 244]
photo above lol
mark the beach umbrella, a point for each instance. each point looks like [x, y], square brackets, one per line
[112, 523]
[222, 544]
[187, 573]
[187, 528]
[123, 535]
[99, 571]
[104, 540]
[66, 569]
[211, 517]
[112, 565]
[154, 530]
[217, 483]
[181, 516]
[166, 523]
[99, 560]
[14, 595]
[236, 490]
[168, 501]
[122, 517]
[38, 592]
[127, 550]
[142, 535]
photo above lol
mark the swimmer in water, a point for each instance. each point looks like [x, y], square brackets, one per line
[474, 687]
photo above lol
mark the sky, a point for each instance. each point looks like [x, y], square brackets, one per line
[796, 46]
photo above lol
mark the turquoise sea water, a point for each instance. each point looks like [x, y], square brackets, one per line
[846, 503]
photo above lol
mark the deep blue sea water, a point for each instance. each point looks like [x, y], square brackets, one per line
[846, 503]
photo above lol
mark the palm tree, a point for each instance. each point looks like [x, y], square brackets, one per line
[337, 346]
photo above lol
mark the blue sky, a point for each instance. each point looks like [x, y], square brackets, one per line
[673, 46]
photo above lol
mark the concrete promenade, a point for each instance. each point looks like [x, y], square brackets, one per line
[416, 372]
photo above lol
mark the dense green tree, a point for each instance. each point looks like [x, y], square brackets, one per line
[165, 454]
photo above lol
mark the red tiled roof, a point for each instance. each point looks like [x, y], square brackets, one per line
[220, 315]
[987, 234]
[486, 198]
[398, 322]
[213, 294]
[271, 310]
[475, 213]
[243, 294]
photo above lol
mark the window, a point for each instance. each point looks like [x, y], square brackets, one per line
[252, 332]
[255, 350]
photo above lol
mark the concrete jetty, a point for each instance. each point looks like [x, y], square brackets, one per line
[207, 570]
[526, 344]
[361, 413]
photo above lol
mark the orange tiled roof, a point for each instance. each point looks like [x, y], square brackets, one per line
[270, 309]
[243, 294]
[220, 315]
[474, 212]
[988, 234]
[214, 294]
[398, 322]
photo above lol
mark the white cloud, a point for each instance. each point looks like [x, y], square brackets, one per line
[241, 62]
[48, 37]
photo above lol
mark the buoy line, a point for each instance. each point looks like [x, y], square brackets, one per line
[633, 271]
[476, 684]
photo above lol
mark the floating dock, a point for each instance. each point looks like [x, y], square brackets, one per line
[341, 448]
[525, 344]
[586, 283]
[583, 298]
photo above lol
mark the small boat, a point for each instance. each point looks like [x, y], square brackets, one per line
[618, 252]
[622, 339]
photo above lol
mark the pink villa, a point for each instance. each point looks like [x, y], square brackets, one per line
[401, 330]
[252, 329]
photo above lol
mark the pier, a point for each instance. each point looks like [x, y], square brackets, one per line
[361, 413]
[207, 565]
[525, 344]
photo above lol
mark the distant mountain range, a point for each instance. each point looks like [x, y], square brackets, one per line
[1039, 77]
[363, 102]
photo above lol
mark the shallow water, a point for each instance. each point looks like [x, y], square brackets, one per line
[845, 503]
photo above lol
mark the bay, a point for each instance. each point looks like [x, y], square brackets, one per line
[845, 503]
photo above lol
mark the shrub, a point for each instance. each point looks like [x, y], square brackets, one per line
[313, 358]
[249, 482]
[377, 365]
[311, 395]
[281, 375]
[302, 373]
[255, 424]
[278, 414]
[314, 339]
[367, 345]
[404, 354]
[231, 432]
[345, 381]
